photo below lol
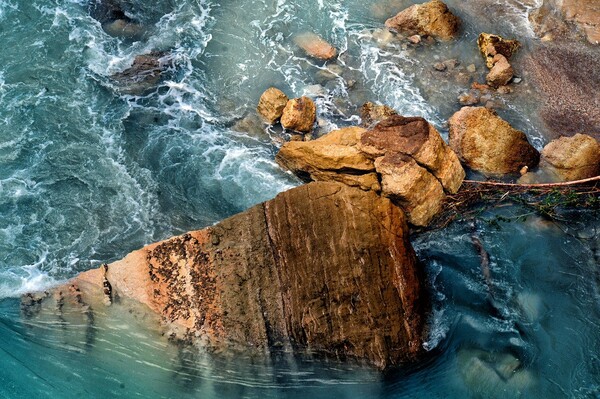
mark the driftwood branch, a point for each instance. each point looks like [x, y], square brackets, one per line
[546, 199]
[535, 185]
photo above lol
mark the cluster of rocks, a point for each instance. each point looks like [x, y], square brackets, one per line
[404, 159]
[497, 51]
[298, 114]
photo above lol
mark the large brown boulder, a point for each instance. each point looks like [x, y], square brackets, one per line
[490, 45]
[299, 114]
[572, 158]
[418, 139]
[333, 157]
[315, 46]
[432, 19]
[271, 104]
[322, 268]
[488, 144]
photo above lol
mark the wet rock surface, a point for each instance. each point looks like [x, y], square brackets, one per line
[432, 19]
[487, 143]
[315, 46]
[265, 280]
[144, 74]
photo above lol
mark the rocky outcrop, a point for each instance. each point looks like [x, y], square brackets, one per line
[572, 158]
[315, 46]
[114, 19]
[144, 74]
[565, 78]
[322, 268]
[407, 155]
[487, 143]
[430, 19]
[371, 113]
[333, 157]
[271, 104]
[418, 139]
[490, 45]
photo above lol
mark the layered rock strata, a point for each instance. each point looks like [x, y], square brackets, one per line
[323, 268]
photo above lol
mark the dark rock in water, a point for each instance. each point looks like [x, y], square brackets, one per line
[143, 75]
[566, 75]
[106, 11]
[323, 268]
[371, 113]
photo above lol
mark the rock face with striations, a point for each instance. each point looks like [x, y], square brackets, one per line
[487, 143]
[324, 268]
[407, 155]
[432, 19]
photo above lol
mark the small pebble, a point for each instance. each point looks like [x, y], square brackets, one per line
[451, 64]
[504, 90]
[517, 80]
[468, 99]
[472, 68]
[415, 39]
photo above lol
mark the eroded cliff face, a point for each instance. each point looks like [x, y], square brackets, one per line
[324, 268]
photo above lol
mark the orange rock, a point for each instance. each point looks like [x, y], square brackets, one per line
[315, 46]
[299, 114]
[431, 19]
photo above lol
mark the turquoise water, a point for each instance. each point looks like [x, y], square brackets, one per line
[88, 174]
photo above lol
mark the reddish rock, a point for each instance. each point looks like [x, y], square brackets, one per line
[299, 114]
[315, 46]
[501, 72]
[428, 19]
[487, 143]
[271, 104]
[418, 139]
[322, 268]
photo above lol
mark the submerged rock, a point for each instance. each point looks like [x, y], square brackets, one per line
[114, 19]
[124, 28]
[315, 46]
[565, 76]
[299, 114]
[322, 268]
[144, 74]
[432, 19]
[271, 104]
[572, 158]
[490, 45]
[488, 144]
[371, 113]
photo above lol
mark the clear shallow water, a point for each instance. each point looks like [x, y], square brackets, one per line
[87, 175]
